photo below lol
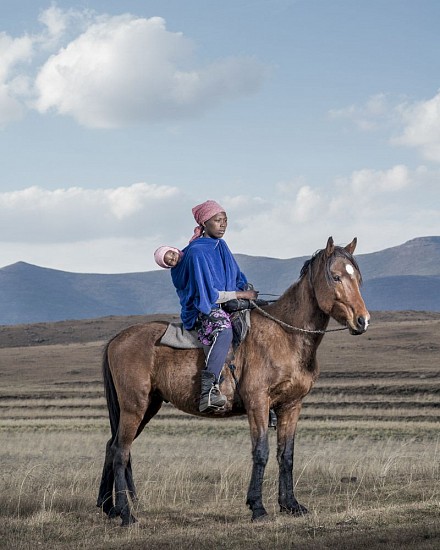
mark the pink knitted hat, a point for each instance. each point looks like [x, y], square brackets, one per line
[202, 213]
[159, 255]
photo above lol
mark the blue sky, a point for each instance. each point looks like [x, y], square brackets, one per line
[303, 118]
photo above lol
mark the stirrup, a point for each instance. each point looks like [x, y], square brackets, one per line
[216, 389]
[210, 404]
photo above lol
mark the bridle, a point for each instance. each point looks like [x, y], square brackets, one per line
[309, 272]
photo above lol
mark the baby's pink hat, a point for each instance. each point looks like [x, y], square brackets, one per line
[159, 255]
[202, 213]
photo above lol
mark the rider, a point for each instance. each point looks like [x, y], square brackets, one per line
[206, 275]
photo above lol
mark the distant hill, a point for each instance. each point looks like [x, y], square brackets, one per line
[405, 277]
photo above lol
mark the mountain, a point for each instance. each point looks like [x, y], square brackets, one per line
[405, 277]
[31, 294]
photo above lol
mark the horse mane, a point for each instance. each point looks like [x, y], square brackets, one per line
[339, 251]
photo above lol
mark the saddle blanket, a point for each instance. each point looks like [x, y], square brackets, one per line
[178, 337]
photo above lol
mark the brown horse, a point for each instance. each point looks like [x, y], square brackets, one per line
[276, 367]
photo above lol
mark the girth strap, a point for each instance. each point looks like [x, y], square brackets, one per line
[231, 367]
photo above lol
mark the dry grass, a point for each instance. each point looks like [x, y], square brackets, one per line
[366, 463]
[356, 490]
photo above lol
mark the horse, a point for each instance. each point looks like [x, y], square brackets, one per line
[275, 367]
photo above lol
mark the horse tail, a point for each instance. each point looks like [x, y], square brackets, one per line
[110, 393]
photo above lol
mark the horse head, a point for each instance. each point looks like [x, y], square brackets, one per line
[336, 279]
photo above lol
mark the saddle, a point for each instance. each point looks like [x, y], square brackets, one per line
[176, 336]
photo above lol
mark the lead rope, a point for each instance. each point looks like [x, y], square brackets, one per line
[290, 327]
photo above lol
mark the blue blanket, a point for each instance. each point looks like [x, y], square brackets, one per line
[207, 267]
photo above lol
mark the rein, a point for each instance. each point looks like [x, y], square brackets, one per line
[290, 327]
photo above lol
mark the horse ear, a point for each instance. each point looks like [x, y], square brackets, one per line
[351, 247]
[330, 248]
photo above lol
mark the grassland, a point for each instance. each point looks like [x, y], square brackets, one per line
[366, 463]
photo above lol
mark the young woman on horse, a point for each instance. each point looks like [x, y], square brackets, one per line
[206, 276]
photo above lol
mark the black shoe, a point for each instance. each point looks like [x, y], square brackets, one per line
[211, 398]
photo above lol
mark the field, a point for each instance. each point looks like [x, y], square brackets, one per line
[366, 463]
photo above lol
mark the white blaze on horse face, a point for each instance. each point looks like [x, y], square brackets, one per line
[350, 269]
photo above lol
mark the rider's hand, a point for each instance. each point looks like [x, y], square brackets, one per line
[247, 294]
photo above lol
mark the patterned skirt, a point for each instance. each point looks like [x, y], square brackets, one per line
[208, 326]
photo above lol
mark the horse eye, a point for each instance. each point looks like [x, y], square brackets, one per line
[336, 278]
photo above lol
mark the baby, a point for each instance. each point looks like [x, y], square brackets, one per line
[167, 256]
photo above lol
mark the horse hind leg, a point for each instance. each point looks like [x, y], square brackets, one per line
[124, 486]
[105, 495]
[153, 408]
[130, 426]
[130, 481]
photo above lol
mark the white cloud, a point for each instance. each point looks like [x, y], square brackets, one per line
[368, 116]
[417, 124]
[382, 208]
[56, 22]
[117, 229]
[77, 214]
[13, 52]
[16, 58]
[421, 127]
[124, 70]
[383, 181]
[307, 202]
[109, 72]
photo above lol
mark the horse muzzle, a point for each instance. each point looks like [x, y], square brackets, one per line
[360, 327]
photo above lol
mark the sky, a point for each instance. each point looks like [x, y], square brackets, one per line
[303, 118]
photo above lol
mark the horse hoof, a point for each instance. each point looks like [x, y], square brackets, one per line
[108, 509]
[297, 511]
[126, 522]
[259, 516]
[261, 519]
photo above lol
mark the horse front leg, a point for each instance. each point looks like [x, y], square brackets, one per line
[260, 454]
[287, 421]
